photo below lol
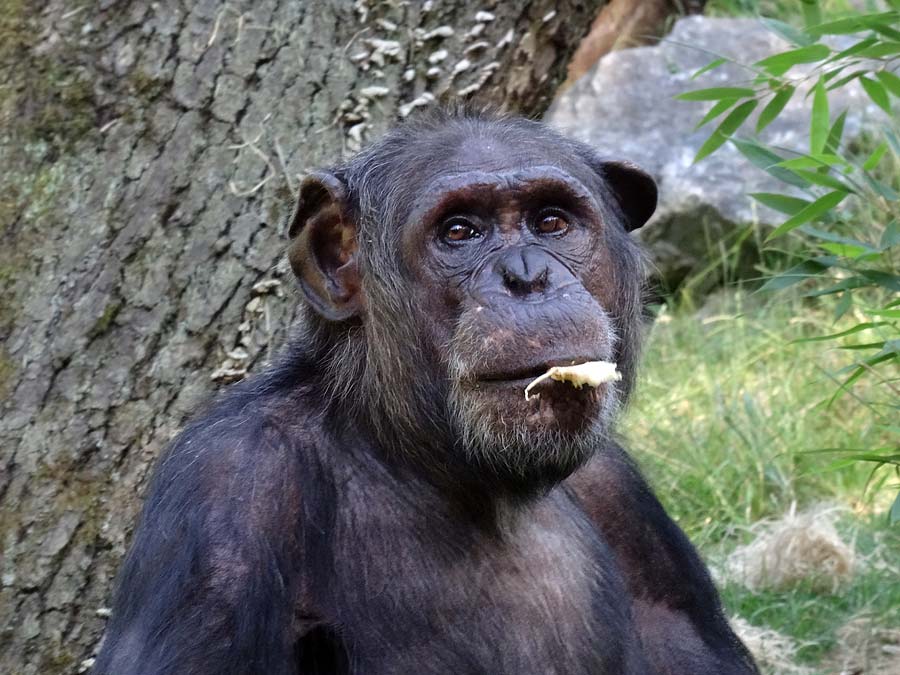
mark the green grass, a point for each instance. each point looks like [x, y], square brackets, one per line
[813, 619]
[730, 412]
[725, 410]
[726, 404]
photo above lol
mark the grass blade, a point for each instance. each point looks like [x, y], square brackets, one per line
[844, 333]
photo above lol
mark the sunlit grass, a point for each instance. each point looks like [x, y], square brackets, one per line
[726, 411]
[727, 406]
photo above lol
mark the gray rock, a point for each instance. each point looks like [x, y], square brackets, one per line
[624, 106]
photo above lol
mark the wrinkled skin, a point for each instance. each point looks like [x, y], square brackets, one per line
[384, 499]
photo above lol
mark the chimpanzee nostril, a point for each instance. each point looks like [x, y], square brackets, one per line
[524, 271]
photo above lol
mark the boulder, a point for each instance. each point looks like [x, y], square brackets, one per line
[625, 107]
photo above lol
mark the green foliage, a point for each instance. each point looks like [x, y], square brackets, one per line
[746, 408]
[728, 404]
[843, 200]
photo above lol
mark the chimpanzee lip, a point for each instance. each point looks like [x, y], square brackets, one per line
[528, 373]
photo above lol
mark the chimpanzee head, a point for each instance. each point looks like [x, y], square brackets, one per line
[454, 261]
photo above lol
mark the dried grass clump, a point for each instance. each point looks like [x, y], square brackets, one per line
[774, 651]
[866, 647]
[797, 547]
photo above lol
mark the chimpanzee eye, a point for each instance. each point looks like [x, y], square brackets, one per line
[458, 229]
[551, 223]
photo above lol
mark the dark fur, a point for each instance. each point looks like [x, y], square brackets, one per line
[325, 516]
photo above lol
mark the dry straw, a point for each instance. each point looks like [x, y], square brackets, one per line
[774, 651]
[798, 547]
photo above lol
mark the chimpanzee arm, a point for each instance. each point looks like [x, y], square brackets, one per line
[209, 584]
[675, 604]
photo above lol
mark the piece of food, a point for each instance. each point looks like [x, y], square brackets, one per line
[592, 373]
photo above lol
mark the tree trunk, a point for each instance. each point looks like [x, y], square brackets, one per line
[148, 153]
[627, 23]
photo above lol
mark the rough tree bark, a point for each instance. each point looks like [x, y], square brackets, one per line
[148, 152]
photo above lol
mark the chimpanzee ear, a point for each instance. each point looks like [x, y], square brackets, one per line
[323, 246]
[635, 191]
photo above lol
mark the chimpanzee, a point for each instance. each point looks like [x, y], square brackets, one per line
[384, 499]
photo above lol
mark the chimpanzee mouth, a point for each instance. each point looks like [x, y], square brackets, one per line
[525, 375]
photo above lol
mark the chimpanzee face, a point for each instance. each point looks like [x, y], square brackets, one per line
[492, 256]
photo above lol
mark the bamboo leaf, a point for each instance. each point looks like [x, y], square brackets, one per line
[886, 313]
[873, 159]
[890, 81]
[836, 133]
[847, 78]
[812, 161]
[851, 283]
[837, 238]
[778, 64]
[844, 250]
[823, 179]
[877, 93]
[788, 32]
[854, 24]
[818, 125]
[712, 65]
[888, 32]
[885, 191]
[767, 160]
[773, 107]
[883, 279]
[891, 235]
[843, 305]
[881, 50]
[719, 108]
[805, 270]
[819, 207]
[715, 93]
[728, 126]
[782, 203]
[855, 49]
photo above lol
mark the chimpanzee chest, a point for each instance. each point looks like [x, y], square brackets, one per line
[421, 594]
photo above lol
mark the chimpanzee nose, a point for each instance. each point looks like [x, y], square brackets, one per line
[524, 271]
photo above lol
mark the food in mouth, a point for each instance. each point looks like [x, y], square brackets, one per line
[591, 373]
